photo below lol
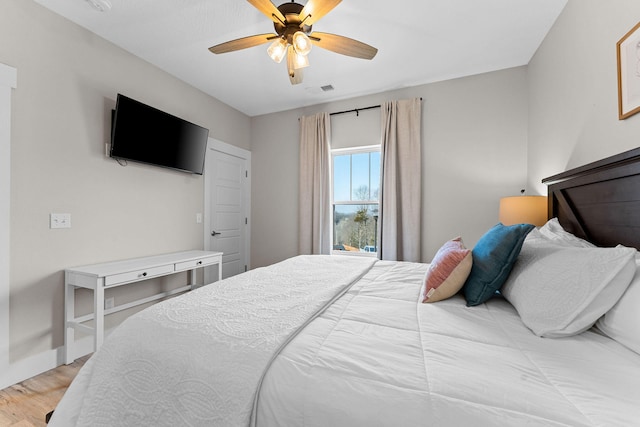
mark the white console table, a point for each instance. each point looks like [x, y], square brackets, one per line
[99, 277]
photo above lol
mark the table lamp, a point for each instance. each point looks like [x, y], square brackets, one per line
[523, 210]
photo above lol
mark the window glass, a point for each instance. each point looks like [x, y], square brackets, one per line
[375, 176]
[355, 228]
[360, 179]
[355, 208]
[341, 177]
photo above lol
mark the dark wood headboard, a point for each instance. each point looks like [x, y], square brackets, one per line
[600, 201]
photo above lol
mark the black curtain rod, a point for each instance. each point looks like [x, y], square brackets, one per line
[357, 110]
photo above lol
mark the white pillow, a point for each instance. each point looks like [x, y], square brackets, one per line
[622, 322]
[553, 231]
[562, 291]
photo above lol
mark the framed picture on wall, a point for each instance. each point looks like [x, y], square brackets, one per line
[628, 52]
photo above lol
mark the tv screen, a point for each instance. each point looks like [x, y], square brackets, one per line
[145, 134]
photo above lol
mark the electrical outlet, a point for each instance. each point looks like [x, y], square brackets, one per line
[59, 220]
[109, 303]
[198, 218]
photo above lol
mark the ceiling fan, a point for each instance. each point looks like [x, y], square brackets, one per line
[293, 37]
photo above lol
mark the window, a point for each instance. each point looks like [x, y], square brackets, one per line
[355, 199]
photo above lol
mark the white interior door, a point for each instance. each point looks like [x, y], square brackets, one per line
[227, 208]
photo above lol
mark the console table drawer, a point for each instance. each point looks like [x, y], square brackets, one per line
[130, 276]
[195, 263]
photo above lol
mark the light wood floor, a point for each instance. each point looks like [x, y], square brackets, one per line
[27, 403]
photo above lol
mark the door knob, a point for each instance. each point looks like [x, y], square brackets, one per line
[214, 233]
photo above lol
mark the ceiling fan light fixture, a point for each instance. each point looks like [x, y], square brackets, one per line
[301, 43]
[295, 63]
[277, 50]
[291, 63]
[296, 77]
[300, 61]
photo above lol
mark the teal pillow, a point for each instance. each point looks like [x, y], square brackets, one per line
[493, 257]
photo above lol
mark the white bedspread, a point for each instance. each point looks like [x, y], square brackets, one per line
[379, 358]
[197, 360]
[375, 357]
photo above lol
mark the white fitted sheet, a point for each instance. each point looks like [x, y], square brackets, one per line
[377, 357]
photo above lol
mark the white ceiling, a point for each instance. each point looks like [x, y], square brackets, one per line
[418, 41]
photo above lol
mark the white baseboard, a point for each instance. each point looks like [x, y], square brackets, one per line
[39, 363]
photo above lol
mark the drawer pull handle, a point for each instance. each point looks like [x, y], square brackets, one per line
[144, 274]
[199, 262]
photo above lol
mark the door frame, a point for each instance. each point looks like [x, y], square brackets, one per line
[8, 81]
[231, 150]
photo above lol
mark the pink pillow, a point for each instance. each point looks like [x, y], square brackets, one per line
[448, 271]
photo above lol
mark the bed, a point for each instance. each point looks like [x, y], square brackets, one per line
[347, 341]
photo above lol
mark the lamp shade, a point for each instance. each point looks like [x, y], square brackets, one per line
[299, 61]
[277, 50]
[523, 210]
[301, 43]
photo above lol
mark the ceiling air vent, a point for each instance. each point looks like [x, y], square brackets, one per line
[326, 88]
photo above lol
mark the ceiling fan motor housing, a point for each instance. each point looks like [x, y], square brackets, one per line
[292, 23]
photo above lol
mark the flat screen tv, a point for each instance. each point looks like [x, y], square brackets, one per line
[144, 134]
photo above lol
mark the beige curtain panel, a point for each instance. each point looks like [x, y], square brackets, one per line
[314, 199]
[400, 225]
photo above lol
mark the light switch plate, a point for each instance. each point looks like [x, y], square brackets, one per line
[59, 220]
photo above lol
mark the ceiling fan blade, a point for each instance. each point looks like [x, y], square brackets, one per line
[316, 9]
[269, 9]
[242, 43]
[343, 45]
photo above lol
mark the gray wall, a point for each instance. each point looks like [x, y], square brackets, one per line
[474, 143]
[68, 79]
[573, 98]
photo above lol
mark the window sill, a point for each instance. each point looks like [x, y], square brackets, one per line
[353, 253]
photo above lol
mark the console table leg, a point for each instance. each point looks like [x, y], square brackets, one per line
[98, 313]
[69, 317]
[192, 278]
